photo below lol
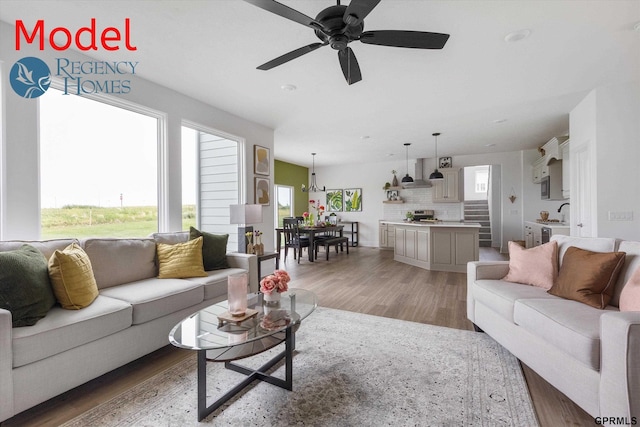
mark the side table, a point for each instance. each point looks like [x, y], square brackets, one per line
[353, 232]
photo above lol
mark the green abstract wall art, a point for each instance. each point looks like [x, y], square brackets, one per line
[334, 201]
[353, 200]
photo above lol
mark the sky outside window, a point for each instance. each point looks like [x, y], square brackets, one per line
[91, 153]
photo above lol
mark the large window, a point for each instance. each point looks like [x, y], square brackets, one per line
[210, 181]
[98, 168]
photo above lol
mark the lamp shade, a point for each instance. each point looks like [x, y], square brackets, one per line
[245, 214]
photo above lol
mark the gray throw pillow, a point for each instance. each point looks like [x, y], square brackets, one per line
[25, 289]
[214, 249]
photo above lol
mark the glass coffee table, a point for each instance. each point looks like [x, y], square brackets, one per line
[219, 340]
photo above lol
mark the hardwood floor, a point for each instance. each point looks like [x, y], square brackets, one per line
[365, 281]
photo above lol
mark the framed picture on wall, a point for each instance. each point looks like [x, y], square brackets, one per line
[334, 201]
[262, 189]
[353, 199]
[261, 160]
[445, 162]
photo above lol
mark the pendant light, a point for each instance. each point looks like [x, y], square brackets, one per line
[313, 187]
[407, 178]
[435, 175]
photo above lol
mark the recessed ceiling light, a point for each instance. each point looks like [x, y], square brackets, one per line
[516, 36]
[499, 121]
[288, 87]
[489, 145]
[637, 27]
[365, 137]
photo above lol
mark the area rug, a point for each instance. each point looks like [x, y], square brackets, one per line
[350, 369]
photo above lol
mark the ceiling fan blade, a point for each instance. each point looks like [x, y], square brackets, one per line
[412, 39]
[349, 64]
[358, 10]
[286, 12]
[289, 56]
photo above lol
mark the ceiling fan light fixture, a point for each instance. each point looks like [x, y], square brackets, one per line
[313, 187]
[407, 177]
[337, 26]
[436, 174]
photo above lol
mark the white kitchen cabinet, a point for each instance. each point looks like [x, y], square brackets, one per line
[451, 188]
[528, 236]
[412, 246]
[387, 236]
[566, 169]
[437, 247]
[540, 170]
[453, 248]
[537, 235]
[533, 232]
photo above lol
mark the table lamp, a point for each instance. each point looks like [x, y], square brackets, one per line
[245, 214]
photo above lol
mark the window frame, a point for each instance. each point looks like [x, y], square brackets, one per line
[162, 161]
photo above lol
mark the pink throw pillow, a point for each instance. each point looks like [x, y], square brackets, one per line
[630, 295]
[536, 266]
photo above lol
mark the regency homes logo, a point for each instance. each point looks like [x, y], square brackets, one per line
[30, 77]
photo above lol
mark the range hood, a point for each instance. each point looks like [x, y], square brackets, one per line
[418, 181]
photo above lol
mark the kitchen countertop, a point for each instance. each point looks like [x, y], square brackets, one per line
[435, 224]
[552, 225]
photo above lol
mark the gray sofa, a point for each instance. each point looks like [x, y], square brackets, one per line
[131, 317]
[591, 355]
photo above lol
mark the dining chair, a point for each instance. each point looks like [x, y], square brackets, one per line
[293, 239]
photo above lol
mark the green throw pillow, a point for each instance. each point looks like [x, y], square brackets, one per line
[214, 249]
[25, 289]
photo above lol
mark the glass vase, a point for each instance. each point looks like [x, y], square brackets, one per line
[237, 293]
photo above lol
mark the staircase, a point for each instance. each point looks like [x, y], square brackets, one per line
[478, 211]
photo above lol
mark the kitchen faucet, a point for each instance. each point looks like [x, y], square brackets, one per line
[560, 209]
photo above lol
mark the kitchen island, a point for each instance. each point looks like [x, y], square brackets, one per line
[440, 246]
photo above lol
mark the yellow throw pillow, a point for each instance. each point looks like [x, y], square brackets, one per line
[72, 278]
[180, 260]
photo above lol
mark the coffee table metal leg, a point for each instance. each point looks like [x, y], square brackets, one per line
[252, 375]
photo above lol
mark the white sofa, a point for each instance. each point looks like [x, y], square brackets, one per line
[591, 355]
[131, 317]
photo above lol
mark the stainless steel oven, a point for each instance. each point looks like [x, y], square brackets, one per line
[546, 235]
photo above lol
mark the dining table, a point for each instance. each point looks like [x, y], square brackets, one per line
[312, 231]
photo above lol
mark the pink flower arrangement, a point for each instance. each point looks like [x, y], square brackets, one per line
[319, 209]
[278, 282]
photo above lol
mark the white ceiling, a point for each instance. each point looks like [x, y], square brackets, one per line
[209, 50]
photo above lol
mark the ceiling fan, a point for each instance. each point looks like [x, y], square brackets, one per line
[339, 25]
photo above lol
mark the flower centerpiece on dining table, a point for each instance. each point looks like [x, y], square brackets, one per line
[314, 207]
[274, 284]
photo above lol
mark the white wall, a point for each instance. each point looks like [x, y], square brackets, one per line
[20, 155]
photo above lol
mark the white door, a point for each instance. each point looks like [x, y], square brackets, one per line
[581, 209]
